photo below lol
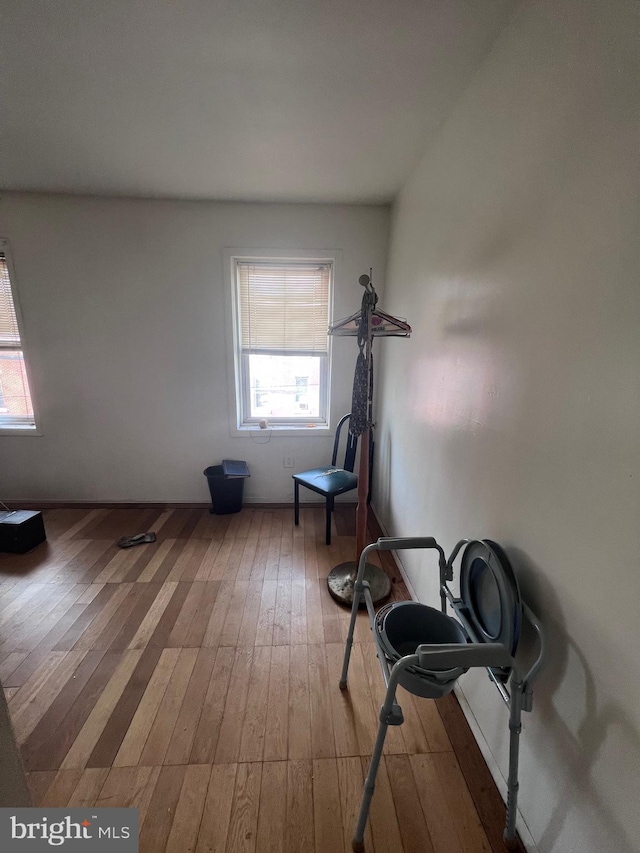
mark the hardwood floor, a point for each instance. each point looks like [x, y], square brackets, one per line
[197, 679]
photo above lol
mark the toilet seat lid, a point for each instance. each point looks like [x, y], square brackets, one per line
[490, 593]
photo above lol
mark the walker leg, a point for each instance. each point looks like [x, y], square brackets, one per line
[357, 843]
[352, 624]
[390, 715]
[515, 727]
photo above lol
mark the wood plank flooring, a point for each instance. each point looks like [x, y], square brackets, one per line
[197, 679]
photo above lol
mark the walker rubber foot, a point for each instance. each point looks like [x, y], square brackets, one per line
[510, 843]
[357, 846]
[343, 685]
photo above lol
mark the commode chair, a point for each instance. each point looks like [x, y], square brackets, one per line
[426, 651]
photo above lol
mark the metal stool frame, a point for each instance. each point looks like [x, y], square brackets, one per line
[474, 654]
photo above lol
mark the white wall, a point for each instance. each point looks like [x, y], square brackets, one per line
[513, 412]
[124, 313]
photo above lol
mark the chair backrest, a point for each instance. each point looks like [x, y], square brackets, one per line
[350, 449]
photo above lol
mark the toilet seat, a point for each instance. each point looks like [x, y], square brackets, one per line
[490, 596]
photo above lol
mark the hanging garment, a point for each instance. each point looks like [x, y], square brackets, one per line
[362, 394]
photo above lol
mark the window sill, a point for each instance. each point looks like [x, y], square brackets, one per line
[282, 431]
[19, 431]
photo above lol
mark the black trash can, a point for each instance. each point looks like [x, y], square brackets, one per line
[226, 485]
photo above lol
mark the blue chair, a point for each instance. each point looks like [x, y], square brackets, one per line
[329, 481]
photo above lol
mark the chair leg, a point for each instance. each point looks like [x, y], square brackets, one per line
[296, 502]
[329, 510]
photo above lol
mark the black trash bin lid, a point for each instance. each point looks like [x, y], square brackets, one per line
[235, 468]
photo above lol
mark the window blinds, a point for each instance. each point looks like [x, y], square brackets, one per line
[9, 334]
[283, 307]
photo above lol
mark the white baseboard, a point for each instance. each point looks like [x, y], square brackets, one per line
[397, 560]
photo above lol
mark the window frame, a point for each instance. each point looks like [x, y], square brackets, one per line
[242, 424]
[34, 427]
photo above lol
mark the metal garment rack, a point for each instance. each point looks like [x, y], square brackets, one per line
[366, 324]
[518, 695]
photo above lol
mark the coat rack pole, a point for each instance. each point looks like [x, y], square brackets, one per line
[362, 512]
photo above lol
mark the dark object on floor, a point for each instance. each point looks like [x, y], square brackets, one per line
[139, 539]
[21, 530]
[226, 485]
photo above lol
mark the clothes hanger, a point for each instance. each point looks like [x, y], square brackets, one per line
[382, 324]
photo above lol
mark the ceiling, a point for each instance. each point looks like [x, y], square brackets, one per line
[251, 100]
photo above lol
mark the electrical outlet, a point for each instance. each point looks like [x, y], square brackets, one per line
[289, 462]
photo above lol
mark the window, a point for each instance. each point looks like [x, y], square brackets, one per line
[16, 409]
[281, 310]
